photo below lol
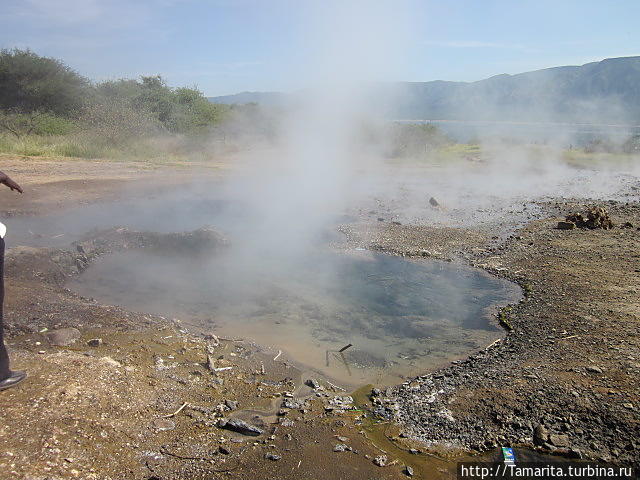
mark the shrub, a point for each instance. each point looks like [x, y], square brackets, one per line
[29, 82]
[116, 121]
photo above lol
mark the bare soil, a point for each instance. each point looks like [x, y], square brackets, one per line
[568, 369]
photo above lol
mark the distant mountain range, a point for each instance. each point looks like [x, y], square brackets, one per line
[600, 92]
[263, 98]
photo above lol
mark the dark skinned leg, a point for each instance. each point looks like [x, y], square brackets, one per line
[4, 356]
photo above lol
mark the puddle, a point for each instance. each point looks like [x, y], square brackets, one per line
[401, 317]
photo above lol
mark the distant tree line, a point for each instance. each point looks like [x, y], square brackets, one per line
[40, 95]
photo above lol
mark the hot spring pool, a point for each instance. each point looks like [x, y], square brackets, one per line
[402, 317]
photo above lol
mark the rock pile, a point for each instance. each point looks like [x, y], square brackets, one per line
[596, 217]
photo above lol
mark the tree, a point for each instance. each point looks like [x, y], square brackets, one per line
[30, 83]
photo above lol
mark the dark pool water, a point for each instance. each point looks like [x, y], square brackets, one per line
[402, 317]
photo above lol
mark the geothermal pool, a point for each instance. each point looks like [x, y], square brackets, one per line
[402, 317]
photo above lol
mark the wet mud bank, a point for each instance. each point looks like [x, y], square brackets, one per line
[117, 394]
[355, 317]
[566, 378]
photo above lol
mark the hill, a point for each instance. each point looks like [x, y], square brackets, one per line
[607, 91]
[263, 98]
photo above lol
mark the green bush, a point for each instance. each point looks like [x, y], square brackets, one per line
[115, 121]
[29, 82]
[48, 109]
[50, 124]
[180, 110]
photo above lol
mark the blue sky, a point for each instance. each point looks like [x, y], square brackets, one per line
[227, 46]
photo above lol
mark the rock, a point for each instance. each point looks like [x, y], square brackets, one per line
[110, 361]
[95, 342]
[63, 337]
[285, 422]
[231, 404]
[224, 450]
[594, 369]
[540, 435]
[313, 383]
[340, 447]
[163, 424]
[240, 426]
[566, 225]
[433, 202]
[380, 460]
[574, 453]
[211, 363]
[408, 471]
[628, 406]
[273, 457]
[596, 217]
[342, 402]
[559, 440]
[288, 403]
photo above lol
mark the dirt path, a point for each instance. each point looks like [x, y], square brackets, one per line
[52, 184]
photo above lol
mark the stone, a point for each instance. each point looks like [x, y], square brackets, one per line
[313, 383]
[596, 217]
[231, 404]
[540, 435]
[559, 440]
[240, 426]
[163, 424]
[95, 342]
[110, 361]
[273, 457]
[594, 369]
[340, 447]
[63, 337]
[291, 404]
[408, 471]
[224, 450]
[381, 460]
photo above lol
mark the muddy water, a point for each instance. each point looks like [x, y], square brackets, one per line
[401, 317]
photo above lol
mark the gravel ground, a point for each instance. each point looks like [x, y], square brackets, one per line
[566, 379]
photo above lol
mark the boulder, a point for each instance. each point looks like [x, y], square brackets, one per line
[595, 217]
[240, 426]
